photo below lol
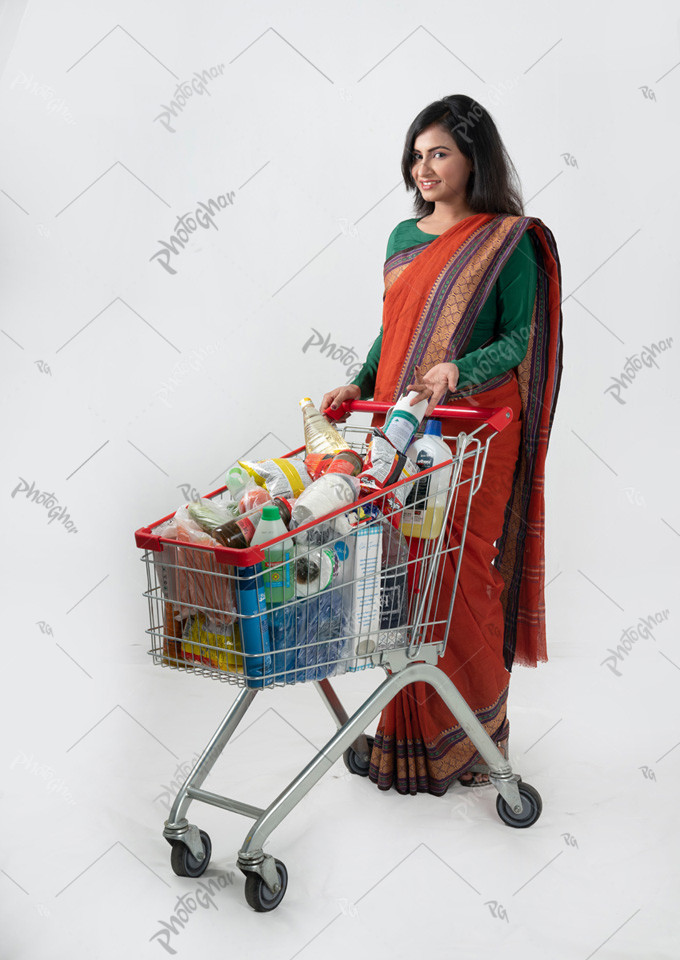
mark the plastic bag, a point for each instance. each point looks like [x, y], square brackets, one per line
[191, 579]
[285, 477]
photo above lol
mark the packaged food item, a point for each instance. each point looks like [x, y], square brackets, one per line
[423, 515]
[191, 578]
[386, 466]
[278, 568]
[206, 643]
[209, 514]
[283, 477]
[253, 497]
[403, 421]
[321, 635]
[320, 435]
[328, 493]
[317, 464]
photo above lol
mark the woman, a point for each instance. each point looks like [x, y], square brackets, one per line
[471, 312]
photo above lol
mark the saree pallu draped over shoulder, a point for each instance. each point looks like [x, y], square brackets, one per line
[433, 295]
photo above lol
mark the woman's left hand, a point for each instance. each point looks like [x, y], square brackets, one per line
[434, 384]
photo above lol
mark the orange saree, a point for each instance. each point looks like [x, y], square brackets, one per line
[432, 298]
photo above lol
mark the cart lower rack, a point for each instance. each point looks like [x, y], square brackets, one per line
[371, 585]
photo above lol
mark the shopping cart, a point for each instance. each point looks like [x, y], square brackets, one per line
[366, 596]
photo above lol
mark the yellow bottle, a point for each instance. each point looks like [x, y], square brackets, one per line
[320, 435]
[423, 514]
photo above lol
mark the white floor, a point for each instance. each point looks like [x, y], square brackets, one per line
[86, 872]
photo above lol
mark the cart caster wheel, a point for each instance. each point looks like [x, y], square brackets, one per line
[184, 863]
[354, 763]
[258, 894]
[531, 807]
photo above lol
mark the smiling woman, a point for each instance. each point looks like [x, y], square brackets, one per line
[471, 310]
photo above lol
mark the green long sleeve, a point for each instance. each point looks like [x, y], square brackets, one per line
[365, 379]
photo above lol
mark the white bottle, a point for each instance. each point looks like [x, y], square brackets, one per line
[328, 493]
[403, 421]
[279, 586]
[423, 514]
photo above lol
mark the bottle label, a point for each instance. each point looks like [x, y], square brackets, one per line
[400, 428]
[247, 527]
[421, 489]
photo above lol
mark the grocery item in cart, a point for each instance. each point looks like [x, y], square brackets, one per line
[253, 624]
[423, 515]
[328, 493]
[190, 577]
[321, 635]
[403, 421]
[393, 578]
[359, 576]
[320, 435]
[210, 514]
[253, 497]
[283, 477]
[211, 645]
[345, 461]
[314, 571]
[278, 565]
[239, 533]
[384, 465]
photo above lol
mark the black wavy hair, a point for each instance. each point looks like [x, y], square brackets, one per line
[493, 185]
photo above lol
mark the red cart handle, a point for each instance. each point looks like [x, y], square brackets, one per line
[497, 418]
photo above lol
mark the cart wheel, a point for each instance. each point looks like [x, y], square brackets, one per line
[531, 807]
[258, 894]
[354, 763]
[184, 863]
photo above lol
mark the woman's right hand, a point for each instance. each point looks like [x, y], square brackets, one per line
[334, 398]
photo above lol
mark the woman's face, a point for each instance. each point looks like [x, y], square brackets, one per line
[439, 169]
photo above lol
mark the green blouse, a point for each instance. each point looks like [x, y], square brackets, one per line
[504, 317]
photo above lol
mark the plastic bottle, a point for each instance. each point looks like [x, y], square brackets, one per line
[403, 421]
[253, 625]
[328, 493]
[320, 435]
[238, 533]
[237, 480]
[423, 514]
[279, 586]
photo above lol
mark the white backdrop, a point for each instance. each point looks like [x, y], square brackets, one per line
[132, 376]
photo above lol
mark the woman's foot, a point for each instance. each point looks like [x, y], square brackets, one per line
[479, 778]
[474, 779]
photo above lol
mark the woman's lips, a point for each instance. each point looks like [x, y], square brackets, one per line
[428, 184]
